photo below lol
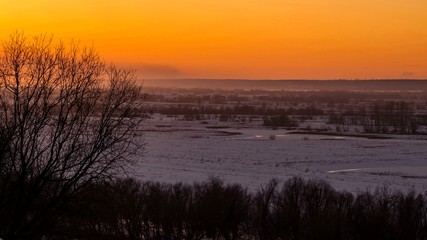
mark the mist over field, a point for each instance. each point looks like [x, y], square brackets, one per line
[292, 85]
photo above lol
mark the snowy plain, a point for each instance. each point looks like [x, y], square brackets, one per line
[191, 151]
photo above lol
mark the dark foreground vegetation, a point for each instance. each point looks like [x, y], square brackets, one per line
[67, 119]
[295, 209]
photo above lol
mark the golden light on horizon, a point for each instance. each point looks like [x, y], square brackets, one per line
[271, 39]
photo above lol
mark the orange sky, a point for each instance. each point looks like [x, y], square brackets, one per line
[256, 39]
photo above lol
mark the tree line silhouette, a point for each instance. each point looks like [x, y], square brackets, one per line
[377, 117]
[294, 209]
[382, 117]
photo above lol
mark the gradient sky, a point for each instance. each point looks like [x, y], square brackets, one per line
[255, 39]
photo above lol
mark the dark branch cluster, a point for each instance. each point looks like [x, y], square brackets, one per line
[66, 120]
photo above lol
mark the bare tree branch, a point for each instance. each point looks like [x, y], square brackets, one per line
[66, 119]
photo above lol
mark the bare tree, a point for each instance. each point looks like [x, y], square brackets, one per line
[66, 119]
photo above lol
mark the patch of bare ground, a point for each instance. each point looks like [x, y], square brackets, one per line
[398, 174]
[358, 135]
[226, 133]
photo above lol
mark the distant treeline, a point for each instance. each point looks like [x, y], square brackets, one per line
[295, 209]
[382, 117]
[295, 85]
[210, 96]
[263, 110]
[376, 117]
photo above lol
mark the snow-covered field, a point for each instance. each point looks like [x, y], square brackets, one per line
[180, 151]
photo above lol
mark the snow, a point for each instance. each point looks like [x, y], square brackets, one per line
[180, 151]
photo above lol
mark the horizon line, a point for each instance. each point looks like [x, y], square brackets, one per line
[278, 79]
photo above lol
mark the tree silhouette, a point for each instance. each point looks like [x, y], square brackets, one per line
[66, 119]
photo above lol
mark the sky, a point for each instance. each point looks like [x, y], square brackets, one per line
[235, 39]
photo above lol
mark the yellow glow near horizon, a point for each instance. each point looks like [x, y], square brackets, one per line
[274, 39]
